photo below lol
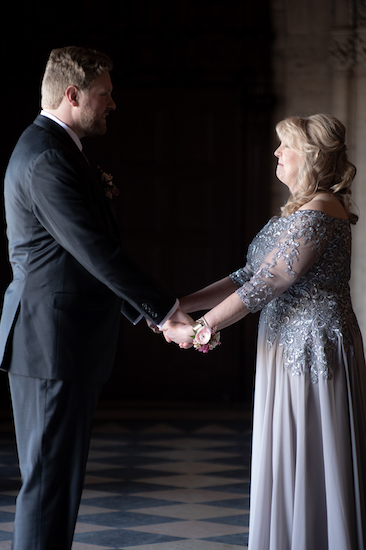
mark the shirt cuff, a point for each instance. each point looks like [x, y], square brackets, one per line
[137, 320]
[169, 314]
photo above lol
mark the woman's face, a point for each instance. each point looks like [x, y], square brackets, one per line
[288, 165]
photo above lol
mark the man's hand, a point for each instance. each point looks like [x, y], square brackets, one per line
[179, 329]
[180, 316]
[179, 333]
[153, 327]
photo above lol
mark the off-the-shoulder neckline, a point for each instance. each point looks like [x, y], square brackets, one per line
[322, 213]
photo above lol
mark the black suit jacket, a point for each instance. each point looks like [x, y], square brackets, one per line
[72, 276]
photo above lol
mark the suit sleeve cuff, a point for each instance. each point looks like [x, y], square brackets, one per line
[169, 314]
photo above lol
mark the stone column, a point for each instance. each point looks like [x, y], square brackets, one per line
[358, 281]
[343, 59]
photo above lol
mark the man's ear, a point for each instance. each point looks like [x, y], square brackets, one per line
[72, 95]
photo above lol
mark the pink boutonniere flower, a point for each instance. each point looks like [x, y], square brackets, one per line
[109, 188]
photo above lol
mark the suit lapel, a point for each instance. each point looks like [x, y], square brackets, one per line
[101, 200]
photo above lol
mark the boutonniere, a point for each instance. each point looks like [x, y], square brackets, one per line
[106, 181]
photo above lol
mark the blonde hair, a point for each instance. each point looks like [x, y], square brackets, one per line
[320, 141]
[71, 66]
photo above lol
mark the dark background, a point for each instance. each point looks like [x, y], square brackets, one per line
[188, 146]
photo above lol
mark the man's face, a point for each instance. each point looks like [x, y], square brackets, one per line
[95, 105]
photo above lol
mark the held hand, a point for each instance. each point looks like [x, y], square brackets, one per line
[179, 333]
[180, 316]
[153, 327]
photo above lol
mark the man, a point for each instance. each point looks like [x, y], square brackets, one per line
[61, 313]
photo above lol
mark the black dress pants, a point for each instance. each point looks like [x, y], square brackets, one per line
[52, 423]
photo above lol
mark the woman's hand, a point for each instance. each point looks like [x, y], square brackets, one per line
[180, 333]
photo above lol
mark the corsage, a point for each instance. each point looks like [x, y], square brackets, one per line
[205, 337]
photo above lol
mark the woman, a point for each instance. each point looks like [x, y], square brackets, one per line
[308, 482]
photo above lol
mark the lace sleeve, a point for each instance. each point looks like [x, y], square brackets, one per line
[241, 276]
[295, 251]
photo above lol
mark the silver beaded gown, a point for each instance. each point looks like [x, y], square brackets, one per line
[308, 479]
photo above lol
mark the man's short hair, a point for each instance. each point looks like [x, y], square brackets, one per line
[71, 66]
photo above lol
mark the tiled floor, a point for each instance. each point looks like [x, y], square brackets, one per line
[153, 485]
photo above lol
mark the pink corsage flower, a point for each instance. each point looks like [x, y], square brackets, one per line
[203, 335]
[205, 348]
[206, 338]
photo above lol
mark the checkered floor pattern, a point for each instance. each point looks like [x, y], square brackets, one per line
[151, 485]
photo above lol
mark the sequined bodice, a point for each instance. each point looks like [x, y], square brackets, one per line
[297, 273]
